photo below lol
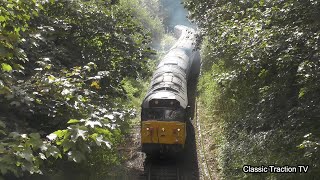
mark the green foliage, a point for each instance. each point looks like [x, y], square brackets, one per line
[14, 17]
[148, 13]
[61, 89]
[167, 42]
[261, 81]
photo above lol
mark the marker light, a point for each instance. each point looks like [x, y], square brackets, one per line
[178, 130]
[156, 102]
[147, 129]
[162, 129]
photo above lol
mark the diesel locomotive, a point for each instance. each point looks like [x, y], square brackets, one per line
[164, 112]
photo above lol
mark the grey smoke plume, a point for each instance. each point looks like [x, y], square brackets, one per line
[175, 14]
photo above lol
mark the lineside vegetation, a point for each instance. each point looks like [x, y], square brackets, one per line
[260, 83]
[67, 72]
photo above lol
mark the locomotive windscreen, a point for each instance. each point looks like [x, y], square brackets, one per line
[163, 114]
[164, 103]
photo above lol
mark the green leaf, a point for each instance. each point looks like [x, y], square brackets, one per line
[301, 146]
[76, 156]
[35, 140]
[302, 92]
[18, 66]
[35, 135]
[51, 78]
[14, 134]
[53, 151]
[48, 66]
[104, 131]
[2, 19]
[93, 123]
[10, 6]
[6, 67]
[78, 133]
[26, 154]
[72, 121]
[52, 136]
[95, 84]
[42, 156]
[94, 136]
[67, 145]
[4, 90]
[100, 140]
[61, 133]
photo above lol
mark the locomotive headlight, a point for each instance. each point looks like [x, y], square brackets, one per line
[162, 129]
[178, 130]
[171, 102]
[156, 102]
[148, 133]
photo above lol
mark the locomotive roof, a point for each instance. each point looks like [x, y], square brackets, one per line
[170, 78]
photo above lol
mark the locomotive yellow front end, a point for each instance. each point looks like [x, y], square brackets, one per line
[163, 130]
[164, 136]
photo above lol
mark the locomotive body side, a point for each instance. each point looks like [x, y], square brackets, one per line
[163, 115]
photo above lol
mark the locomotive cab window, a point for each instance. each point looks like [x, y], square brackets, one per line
[152, 114]
[162, 114]
[171, 115]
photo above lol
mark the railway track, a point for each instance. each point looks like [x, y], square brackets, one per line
[162, 169]
[158, 172]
